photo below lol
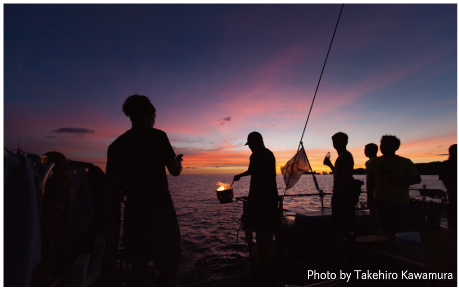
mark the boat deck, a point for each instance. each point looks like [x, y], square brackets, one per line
[375, 255]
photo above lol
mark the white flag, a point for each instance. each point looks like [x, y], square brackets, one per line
[295, 167]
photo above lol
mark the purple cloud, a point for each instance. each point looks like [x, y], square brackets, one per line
[75, 130]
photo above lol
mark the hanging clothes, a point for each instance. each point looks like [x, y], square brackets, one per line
[57, 190]
[107, 223]
[75, 230]
[22, 237]
[295, 168]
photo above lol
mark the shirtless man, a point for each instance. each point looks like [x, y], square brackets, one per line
[343, 200]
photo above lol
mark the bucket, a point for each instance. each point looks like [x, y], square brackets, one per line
[225, 196]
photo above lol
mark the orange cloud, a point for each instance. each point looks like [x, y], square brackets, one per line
[429, 149]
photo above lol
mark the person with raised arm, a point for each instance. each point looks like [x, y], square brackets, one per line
[136, 163]
[343, 199]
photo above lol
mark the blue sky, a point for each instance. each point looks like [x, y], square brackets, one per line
[217, 72]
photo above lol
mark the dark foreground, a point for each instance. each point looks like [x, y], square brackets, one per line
[378, 262]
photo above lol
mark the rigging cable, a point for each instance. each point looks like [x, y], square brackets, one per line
[304, 129]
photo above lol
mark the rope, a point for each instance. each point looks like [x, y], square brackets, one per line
[310, 109]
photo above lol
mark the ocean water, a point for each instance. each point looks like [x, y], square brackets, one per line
[210, 246]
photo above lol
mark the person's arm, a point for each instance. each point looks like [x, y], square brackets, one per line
[370, 189]
[244, 174]
[411, 173]
[447, 175]
[370, 202]
[112, 168]
[115, 182]
[370, 186]
[328, 163]
[113, 176]
[113, 173]
[408, 181]
[174, 165]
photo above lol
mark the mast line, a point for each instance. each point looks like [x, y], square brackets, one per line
[312, 104]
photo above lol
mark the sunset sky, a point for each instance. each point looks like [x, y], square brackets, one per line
[215, 73]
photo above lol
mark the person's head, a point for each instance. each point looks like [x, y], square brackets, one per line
[140, 110]
[340, 140]
[371, 150]
[255, 141]
[389, 144]
[453, 151]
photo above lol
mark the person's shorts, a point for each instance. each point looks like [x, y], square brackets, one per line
[261, 217]
[393, 217]
[154, 234]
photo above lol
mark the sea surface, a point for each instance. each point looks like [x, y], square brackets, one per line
[210, 247]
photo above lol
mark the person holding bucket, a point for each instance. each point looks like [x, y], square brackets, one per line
[261, 213]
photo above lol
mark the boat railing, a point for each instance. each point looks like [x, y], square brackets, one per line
[280, 199]
[432, 193]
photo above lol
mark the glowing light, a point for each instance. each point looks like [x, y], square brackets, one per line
[223, 186]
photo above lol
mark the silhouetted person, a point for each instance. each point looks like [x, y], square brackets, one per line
[343, 199]
[136, 163]
[262, 213]
[448, 175]
[371, 151]
[390, 177]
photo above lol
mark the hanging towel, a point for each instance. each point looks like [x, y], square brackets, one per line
[295, 168]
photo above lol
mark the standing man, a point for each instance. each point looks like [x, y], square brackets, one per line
[448, 175]
[371, 152]
[262, 213]
[390, 177]
[343, 199]
[136, 163]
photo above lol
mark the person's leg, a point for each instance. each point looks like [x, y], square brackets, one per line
[281, 245]
[139, 269]
[134, 241]
[374, 220]
[380, 216]
[348, 218]
[165, 241]
[339, 233]
[280, 237]
[338, 245]
[264, 243]
[402, 218]
[167, 277]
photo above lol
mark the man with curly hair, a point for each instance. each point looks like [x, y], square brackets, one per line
[136, 163]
